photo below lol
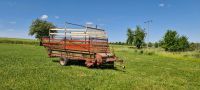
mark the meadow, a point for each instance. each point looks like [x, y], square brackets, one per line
[19, 41]
[186, 55]
[27, 67]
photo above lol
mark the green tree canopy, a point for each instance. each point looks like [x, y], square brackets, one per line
[150, 44]
[40, 28]
[139, 35]
[170, 40]
[156, 45]
[136, 37]
[130, 36]
[173, 42]
[183, 43]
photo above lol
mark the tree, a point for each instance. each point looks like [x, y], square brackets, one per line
[139, 35]
[173, 42]
[130, 36]
[183, 43]
[170, 40]
[156, 45]
[40, 28]
[150, 44]
[119, 43]
[192, 46]
[161, 43]
[144, 44]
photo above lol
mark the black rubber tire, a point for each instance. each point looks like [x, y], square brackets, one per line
[111, 65]
[64, 61]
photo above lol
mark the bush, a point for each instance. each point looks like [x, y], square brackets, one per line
[156, 45]
[131, 47]
[150, 44]
[185, 55]
[135, 51]
[150, 53]
[141, 52]
[173, 42]
[197, 55]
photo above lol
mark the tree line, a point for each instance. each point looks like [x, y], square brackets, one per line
[192, 46]
[171, 40]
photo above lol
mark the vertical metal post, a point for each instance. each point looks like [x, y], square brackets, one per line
[85, 34]
[66, 41]
[65, 34]
[49, 32]
[86, 38]
[49, 36]
[148, 23]
[89, 45]
[107, 45]
[65, 29]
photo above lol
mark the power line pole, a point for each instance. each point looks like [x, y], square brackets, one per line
[148, 23]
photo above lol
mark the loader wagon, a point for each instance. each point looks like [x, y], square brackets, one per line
[84, 43]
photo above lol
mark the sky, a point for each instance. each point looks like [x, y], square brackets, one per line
[115, 16]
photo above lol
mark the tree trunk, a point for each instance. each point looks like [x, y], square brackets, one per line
[138, 46]
[40, 42]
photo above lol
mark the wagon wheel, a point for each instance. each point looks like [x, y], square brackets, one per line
[111, 64]
[64, 61]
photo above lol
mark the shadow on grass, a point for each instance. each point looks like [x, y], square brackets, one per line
[82, 63]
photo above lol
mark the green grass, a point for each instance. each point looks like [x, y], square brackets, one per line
[19, 41]
[187, 55]
[28, 67]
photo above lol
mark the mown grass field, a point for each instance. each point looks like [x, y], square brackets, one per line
[28, 67]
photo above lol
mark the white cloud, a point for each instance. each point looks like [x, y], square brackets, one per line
[12, 22]
[56, 17]
[161, 5]
[44, 17]
[89, 23]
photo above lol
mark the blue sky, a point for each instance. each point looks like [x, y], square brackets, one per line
[113, 15]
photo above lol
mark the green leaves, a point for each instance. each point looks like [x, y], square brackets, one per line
[40, 28]
[139, 35]
[130, 35]
[183, 43]
[173, 42]
[136, 37]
